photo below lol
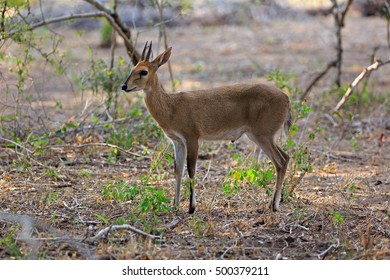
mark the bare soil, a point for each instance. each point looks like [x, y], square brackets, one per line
[340, 210]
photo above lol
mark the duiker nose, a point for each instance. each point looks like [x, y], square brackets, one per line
[124, 86]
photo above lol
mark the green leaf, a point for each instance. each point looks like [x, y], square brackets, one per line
[101, 218]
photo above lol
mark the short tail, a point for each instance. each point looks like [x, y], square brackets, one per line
[288, 122]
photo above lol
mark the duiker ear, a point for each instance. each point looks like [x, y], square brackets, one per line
[162, 58]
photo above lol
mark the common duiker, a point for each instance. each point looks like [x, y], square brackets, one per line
[222, 113]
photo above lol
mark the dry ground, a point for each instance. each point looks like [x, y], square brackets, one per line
[340, 210]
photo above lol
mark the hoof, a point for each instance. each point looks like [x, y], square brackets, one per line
[191, 210]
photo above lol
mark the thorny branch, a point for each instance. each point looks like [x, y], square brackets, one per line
[378, 63]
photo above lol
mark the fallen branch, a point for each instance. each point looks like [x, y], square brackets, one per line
[98, 145]
[378, 63]
[29, 225]
[229, 248]
[322, 255]
[104, 232]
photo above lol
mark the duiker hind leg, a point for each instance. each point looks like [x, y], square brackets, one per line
[280, 160]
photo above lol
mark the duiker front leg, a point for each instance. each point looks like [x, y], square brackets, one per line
[192, 156]
[180, 155]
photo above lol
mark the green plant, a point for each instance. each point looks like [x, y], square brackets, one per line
[52, 197]
[22, 165]
[283, 81]
[49, 172]
[337, 218]
[249, 173]
[300, 159]
[53, 216]
[86, 173]
[154, 200]
[102, 78]
[9, 246]
[355, 144]
[148, 199]
[105, 33]
[121, 191]
[100, 217]
[38, 142]
[147, 203]
[199, 226]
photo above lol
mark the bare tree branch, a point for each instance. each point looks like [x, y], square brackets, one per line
[164, 32]
[119, 26]
[59, 19]
[378, 63]
[2, 21]
[339, 17]
[317, 78]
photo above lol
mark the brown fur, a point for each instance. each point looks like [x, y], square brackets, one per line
[223, 113]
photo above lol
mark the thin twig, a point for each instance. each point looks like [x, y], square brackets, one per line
[378, 63]
[16, 144]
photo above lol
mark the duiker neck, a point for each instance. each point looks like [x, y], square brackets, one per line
[157, 102]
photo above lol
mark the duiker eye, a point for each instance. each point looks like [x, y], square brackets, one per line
[143, 73]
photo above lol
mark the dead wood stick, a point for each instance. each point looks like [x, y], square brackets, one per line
[106, 230]
[378, 63]
[321, 255]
